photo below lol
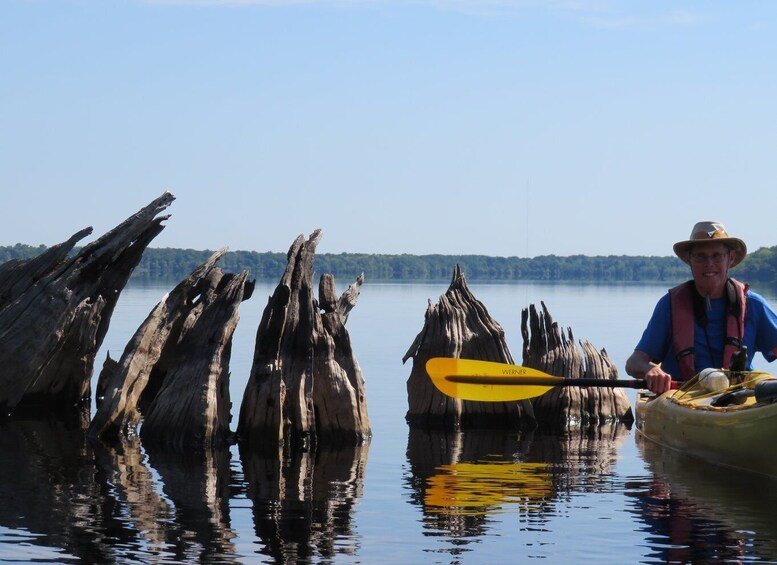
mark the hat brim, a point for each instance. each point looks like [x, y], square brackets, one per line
[683, 248]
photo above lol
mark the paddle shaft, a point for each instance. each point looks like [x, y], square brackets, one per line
[546, 381]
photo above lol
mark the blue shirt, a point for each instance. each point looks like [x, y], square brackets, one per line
[760, 334]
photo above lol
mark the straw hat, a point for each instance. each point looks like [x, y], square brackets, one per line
[710, 232]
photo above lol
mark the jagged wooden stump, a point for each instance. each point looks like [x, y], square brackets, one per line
[18, 275]
[55, 312]
[305, 384]
[548, 348]
[459, 326]
[174, 372]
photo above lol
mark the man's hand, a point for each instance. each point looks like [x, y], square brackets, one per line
[658, 381]
[639, 366]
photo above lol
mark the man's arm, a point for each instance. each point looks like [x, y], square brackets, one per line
[640, 366]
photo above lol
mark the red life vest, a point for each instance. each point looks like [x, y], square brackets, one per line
[684, 313]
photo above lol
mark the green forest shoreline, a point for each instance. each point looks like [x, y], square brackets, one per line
[175, 264]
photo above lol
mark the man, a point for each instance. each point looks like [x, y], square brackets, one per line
[707, 321]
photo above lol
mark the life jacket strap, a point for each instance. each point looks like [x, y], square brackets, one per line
[684, 353]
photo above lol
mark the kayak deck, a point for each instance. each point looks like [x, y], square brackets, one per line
[730, 427]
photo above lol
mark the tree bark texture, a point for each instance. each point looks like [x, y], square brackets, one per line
[55, 312]
[548, 348]
[459, 326]
[306, 385]
[174, 372]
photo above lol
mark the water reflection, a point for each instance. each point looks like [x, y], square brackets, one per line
[491, 494]
[463, 480]
[89, 502]
[198, 486]
[303, 504]
[693, 511]
[48, 488]
[487, 487]
[134, 518]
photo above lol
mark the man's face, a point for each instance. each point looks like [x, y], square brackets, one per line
[709, 264]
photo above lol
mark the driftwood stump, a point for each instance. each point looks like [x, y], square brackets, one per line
[174, 372]
[305, 384]
[459, 326]
[55, 312]
[19, 275]
[548, 348]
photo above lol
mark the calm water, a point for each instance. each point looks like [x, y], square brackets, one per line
[407, 497]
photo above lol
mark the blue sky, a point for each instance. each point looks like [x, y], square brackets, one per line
[500, 127]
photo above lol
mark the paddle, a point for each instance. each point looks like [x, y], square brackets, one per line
[487, 381]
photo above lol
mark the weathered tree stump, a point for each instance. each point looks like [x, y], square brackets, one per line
[193, 406]
[459, 326]
[18, 275]
[55, 312]
[174, 372]
[305, 384]
[550, 349]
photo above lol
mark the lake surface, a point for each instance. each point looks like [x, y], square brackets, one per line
[407, 497]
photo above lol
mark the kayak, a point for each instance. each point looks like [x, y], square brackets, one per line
[733, 425]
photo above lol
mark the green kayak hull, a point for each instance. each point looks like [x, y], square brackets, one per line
[741, 435]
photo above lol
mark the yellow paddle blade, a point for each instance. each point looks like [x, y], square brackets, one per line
[487, 381]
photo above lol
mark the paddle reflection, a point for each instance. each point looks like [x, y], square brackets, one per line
[304, 501]
[463, 479]
[694, 511]
[484, 488]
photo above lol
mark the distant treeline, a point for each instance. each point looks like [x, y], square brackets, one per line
[175, 264]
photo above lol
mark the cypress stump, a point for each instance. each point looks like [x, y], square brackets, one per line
[459, 326]
[305, 383]
[55, 311]
[548, 348]
[174, 372]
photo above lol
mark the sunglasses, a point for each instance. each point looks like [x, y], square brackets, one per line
[706, 257]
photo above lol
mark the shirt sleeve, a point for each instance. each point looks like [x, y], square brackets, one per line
[657, 337]
[766, 325]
